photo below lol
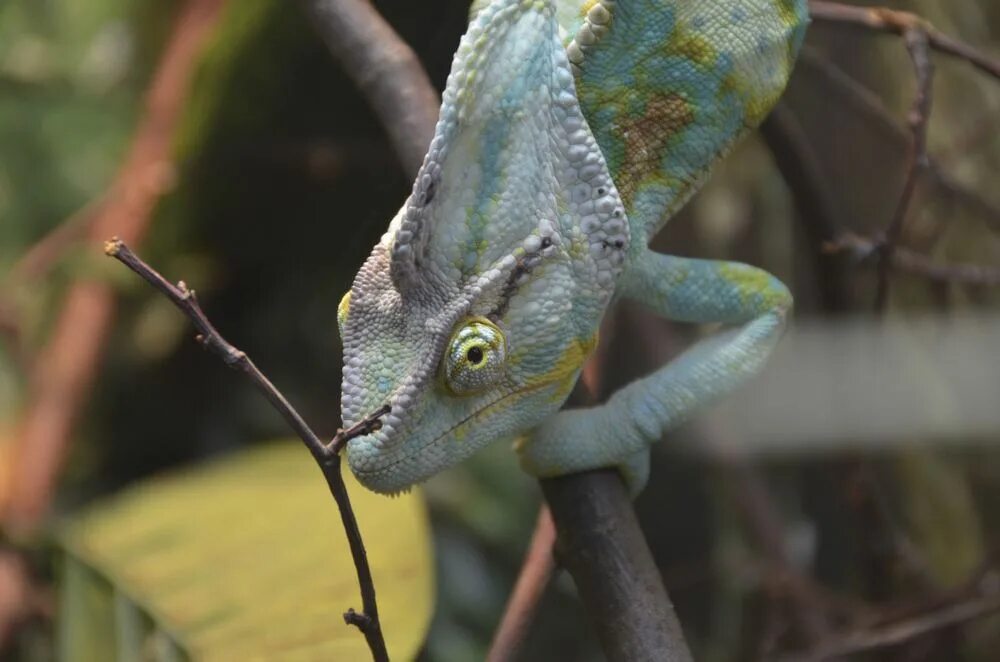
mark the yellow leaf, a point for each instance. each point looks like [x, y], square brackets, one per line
[245, 558]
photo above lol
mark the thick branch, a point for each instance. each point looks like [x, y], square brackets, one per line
[326, 455]
[599, 541]
[386, 71]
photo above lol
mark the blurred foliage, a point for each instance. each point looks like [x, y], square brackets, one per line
[69, 76]
[158, 566]
[286, 181]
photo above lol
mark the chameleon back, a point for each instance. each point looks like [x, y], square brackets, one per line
[669, 86]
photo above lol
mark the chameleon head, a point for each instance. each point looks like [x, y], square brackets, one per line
[458, 369]
[472, 316]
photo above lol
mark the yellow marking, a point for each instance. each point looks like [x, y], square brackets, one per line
[343, 308]
[460, 429]
[567, 364]
[751, 282]
[786, 11]
[691, 46]
[561, 377]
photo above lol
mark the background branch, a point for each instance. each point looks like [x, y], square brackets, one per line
[66, 366]
[522, 606]
[891, 21]
[916, 41]
[908, 261]
[386, 71]
[855, 643]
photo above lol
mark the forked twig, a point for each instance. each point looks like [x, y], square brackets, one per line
[326, 455]
[920, 38]
[917, 45]
[916, 263]
[896, 22]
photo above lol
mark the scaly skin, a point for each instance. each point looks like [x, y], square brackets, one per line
[570, 132]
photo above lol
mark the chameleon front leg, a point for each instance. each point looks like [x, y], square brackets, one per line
[619, 432]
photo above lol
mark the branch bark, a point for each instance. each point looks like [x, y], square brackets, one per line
[386, 71]
[599, 541]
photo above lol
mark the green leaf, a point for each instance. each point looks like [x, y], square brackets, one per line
[242, 558]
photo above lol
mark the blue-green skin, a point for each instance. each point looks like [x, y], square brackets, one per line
[570, 132]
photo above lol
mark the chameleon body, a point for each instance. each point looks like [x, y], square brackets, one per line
[570, 131]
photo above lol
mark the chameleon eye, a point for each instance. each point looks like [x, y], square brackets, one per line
[476, 357]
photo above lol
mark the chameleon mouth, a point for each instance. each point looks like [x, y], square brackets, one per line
[379, 480]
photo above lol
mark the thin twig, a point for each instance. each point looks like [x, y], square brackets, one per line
[900, 22]
[326, 455]
[917, 42]
[868, 104]
[806, 611]
[536, 573]
[912, 262]
[898, 633]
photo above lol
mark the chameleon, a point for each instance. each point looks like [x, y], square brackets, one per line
[570, 131]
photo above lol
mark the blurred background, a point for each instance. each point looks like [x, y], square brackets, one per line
[224, 140]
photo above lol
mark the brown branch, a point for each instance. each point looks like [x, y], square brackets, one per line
[919, 117]
[806, 610]
[65, 368]
[15, 599]
[539, 564]
[536, 573]
[40, 257]
[601, 544]
[386, 71]
[908, 261]
[854, 643]
[327, 456]
[36, 262]
[816, 207]
[891, 21]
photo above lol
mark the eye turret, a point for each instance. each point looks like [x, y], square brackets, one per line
[476, 358]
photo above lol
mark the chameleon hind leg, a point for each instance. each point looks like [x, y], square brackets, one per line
[619, 432]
